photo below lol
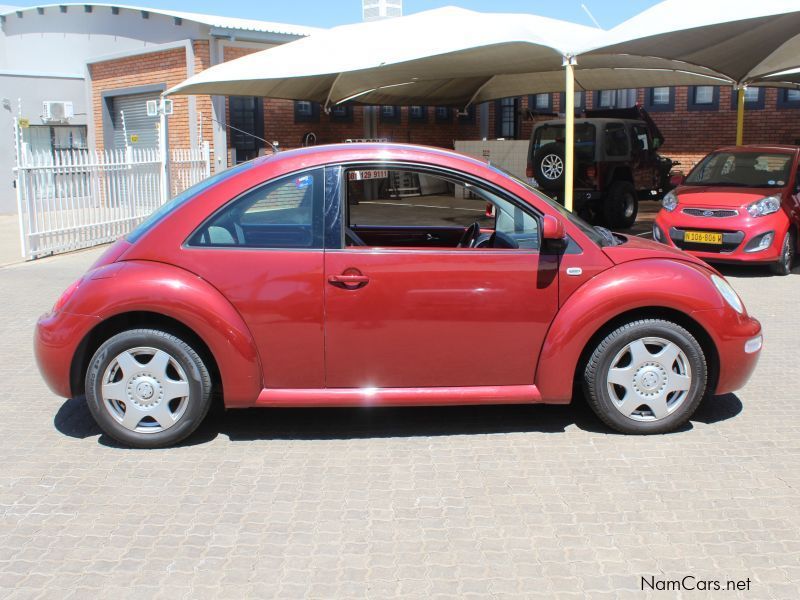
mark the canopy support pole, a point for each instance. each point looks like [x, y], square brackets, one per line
[740, 116]
[569, 127]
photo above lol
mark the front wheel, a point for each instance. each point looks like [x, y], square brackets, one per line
[785, 262]
[647, 376]
[147, 388]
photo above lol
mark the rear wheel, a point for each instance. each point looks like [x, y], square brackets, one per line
[147, 388]
[788, 251]
[548, 165]
[647, 376]
[621, 205]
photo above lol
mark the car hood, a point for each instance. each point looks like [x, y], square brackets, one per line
[636, 248]
[722, 197]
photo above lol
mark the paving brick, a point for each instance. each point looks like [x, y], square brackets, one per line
[555, 507]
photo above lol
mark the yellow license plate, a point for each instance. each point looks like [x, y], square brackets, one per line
[702, 237]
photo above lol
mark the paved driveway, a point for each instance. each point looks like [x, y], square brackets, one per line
[423, 503]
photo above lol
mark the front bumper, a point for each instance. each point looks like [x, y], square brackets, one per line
[56, 340]
[737, 339]
[739, 234]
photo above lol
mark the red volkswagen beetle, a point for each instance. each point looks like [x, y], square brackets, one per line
[738, 205]
[372, 275]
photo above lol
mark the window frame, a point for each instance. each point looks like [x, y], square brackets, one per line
[692, 105]
[313, 117]
[783, 101]
[337, 195]
[396, 116]
[652, 106]
[447, 118]
[318, 237]
[347, 117]
[757, 104]
[533, 106]
[423, 118]
[499, 113]
[579, 107]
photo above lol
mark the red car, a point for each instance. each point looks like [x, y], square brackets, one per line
[372, 275]
[739, 204]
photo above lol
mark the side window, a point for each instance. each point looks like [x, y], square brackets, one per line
[639, 138]
[407, 208]
[284, 213]
[616, 142]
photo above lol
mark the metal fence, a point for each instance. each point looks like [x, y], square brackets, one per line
[79, 198]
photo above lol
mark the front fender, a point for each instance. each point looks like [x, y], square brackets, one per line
[649, 283]
[157, 287]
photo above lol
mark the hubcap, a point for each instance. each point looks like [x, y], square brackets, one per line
[649, 379]
[552, 166]
[145, 390]
[629, 204]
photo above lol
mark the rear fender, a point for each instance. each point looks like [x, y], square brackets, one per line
[156, 287]
[650, 283]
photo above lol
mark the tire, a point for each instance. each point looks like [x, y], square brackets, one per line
[548, 166]
[147, 388]
[634, 388]
[621, 205]
[788, 252]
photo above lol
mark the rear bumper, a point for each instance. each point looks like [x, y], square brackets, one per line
[56, 339]
[740, 236]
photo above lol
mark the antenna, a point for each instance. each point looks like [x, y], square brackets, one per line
[591, 16]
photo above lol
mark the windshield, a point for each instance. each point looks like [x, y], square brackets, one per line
[181, 199]
[742, 169]
[599, 238]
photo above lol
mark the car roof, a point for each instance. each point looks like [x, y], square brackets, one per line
[368, 151]
[781, 148]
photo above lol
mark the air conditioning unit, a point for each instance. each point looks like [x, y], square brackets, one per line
[57, 111]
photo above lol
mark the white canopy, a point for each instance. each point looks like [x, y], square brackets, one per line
[447, 56]
[741, 40]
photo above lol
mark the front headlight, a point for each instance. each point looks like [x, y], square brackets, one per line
[727, 292]
[670, 201]
[765, 206]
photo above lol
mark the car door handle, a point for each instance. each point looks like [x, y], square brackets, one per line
[349, 281]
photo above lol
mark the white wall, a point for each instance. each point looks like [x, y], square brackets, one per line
[62, 43]
[32, 91]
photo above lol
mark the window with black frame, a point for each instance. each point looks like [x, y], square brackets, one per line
[281, 214]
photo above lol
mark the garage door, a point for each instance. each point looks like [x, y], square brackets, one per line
[142, 130]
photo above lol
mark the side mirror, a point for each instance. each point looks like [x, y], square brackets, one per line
[677, 179]
[553, 229]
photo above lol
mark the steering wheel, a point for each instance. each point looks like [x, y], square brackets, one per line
[470, 234]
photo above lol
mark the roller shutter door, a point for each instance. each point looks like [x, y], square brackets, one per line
[142, 130]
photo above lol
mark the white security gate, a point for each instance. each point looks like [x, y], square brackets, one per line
[79, 198]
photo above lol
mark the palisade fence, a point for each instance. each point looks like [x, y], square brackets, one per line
[74, 199]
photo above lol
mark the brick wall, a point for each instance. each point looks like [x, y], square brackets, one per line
[167, 68]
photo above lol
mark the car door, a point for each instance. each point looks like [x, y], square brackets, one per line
[416, 317]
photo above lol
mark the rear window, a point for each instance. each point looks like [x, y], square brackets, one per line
[172, 205]
[555, 132]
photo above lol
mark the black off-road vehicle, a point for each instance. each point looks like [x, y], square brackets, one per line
[616, 163]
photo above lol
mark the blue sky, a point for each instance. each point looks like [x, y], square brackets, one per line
[327, 13]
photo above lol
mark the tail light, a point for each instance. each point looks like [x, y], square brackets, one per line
[591, 172]
[529, 170]
[64, 298]
[489, 209]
